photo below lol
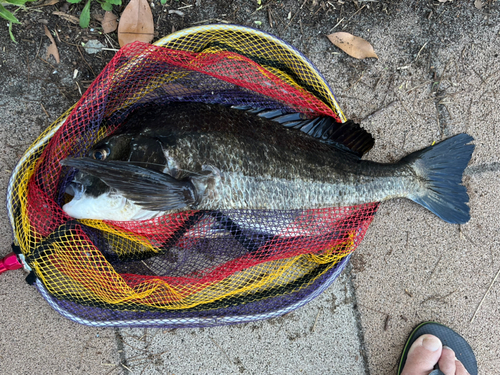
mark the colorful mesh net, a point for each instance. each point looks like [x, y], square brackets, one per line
[194, 268]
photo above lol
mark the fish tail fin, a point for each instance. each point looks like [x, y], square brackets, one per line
[441, 167]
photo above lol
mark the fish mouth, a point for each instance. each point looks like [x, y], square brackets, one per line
[76, 190]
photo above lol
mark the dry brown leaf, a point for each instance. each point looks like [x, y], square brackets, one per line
[52, 49]
[97, 16]
[136, 23]
[47, 3]
[67, 17]
[352, 45]
[109, 23]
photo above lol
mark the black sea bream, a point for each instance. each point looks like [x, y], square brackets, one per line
[210, 157]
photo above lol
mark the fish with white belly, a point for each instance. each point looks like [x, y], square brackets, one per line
[186, 156]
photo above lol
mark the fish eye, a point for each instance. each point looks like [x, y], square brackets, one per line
[100, 154]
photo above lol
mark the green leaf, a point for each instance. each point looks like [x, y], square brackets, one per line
[4, 13]
[15, 2]
[107, 6]
[10, 32]
[74, 1]
[85, 16]
[114, 2]
[163, 2]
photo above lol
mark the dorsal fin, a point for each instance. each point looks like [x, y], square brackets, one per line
[346, 136]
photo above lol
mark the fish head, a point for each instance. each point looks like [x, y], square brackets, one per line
[90, 194]
[111, 148]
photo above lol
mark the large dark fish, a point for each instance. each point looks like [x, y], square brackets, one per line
[211, 157]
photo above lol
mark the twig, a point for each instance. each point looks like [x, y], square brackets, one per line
[39, 46]
[145, 367]
[479, 75]
[45, 110]
[435, 267]
[386, 323]
[114, 368]
[338, 23]
[297, 12]
[211, 20]
[404, 107]
[485, 294]
[437, 298]
[264, 7]
[377, 111]
[356, 12]
[46, 62]
[418, 54]
[222, 350]
[79, 88]
[371, 308]
[463, 235]
[81, 54]
[417, 87]
[270, 17]
[355, 83]
[128, 368]
[316, 320]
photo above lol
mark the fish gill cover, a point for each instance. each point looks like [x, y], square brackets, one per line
[192, 268]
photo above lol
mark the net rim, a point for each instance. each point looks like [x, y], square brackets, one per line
[292, 56]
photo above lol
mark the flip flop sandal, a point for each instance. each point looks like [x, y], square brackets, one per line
[449, 338]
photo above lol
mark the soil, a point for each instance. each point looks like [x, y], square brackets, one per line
[304, 24]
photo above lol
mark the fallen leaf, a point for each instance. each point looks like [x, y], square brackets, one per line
[175, 11]
[93, 46]
[478, 4]
[52, 49]
[109, 23]
[98, 17]
[352, 45]
[67, 17]
[136, 23]
[47, 2]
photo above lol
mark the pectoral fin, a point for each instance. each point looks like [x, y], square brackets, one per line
[150, 189]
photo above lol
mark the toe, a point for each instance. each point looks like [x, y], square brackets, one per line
[461, 370]
[447, 361]
[423, 355]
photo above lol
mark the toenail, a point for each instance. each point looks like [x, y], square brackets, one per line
[431, 343]
[447, 347]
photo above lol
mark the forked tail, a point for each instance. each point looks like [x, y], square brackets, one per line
[440, 168]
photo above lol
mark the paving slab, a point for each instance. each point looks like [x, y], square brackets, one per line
[320, 338]
[432, 80]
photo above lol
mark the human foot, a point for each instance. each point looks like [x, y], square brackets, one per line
[433, 349]
[426, 352]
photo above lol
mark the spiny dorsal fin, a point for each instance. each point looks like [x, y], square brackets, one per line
[347, 135]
